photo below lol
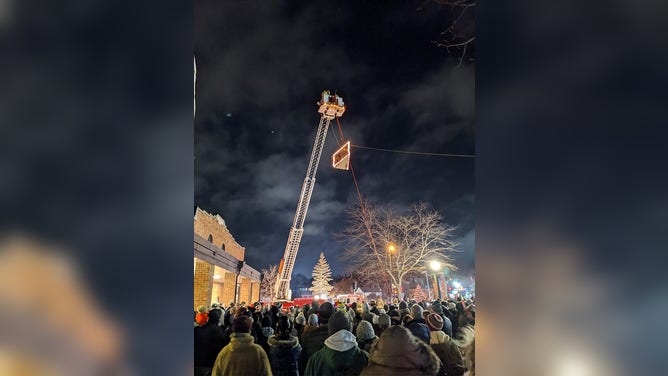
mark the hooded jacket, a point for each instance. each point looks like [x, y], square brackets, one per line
[284, 356]
[312, 341]
[241, 357]
[397, 352]
[339, 356]
[448, 352]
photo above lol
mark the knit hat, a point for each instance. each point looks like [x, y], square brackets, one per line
[326, 310]
[402, 305]
[365, 331]
[313, 319]
[300, 319]
[434, 322]
[214, 315]
[420, 330]
[201, 309]
[452, 306]
[338, 321]
[437, 308]
[394, 314]
[384, 320]
[417, 311]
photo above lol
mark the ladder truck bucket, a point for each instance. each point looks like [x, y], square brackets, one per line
[331, 105]
[341, 158]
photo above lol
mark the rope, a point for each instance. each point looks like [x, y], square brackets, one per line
[415, 152]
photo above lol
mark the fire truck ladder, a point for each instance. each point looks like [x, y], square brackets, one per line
[330, 106]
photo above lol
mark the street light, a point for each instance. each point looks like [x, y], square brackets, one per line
[436, 266]
[390, 250]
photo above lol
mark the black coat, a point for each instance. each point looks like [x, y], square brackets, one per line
[209, 340]
[284, 356]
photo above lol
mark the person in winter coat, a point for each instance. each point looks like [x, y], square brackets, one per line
[264, 334]
[202, 316]
[418, 326]
[241, 356]
[356, 315]
[365, 336]
[311, 325]
[395, 317]
[447, 324]
[340, 355]
[300, 323]
[313, 340]
[366, 313]
[447, 350]
[399, 353]
[273, 312]
[209, 340]
[284, 350]
[315, 308]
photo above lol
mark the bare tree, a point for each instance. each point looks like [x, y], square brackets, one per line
[269, 281]
[382, 243]
[458, 37]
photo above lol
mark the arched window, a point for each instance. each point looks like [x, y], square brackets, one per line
[210, 238]
[222, 246]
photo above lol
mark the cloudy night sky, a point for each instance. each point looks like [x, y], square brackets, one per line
[261, 67]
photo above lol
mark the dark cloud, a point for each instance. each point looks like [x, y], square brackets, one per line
[260, 71]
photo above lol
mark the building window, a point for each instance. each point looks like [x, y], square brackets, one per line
[210, 238]
[222, 246]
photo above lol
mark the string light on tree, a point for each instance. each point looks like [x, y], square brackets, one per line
[322, 276]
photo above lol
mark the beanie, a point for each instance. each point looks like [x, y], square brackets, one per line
[434, 322]
[402, 305]
[326, 310]
[384, 320]
[313, 319]
[394, 314]
[420, 330]
[338, 321]
[452, 306]
[214, 315]
[417, 311]
[365, 331]
[300, 319]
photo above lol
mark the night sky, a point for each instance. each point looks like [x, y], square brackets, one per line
[261, 67]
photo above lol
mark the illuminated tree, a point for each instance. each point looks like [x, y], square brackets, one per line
[383, 243]
[322, 276]
[269, 281]
[418, 294]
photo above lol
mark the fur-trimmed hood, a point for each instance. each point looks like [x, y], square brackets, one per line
[291, 342]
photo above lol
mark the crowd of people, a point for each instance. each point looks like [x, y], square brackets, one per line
[374, 338]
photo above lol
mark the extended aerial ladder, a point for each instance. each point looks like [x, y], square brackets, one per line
[330, 106]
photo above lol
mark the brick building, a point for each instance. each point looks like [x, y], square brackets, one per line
[220, 272]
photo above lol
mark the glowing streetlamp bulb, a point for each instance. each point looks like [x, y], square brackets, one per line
[391, 248]
[435, 265]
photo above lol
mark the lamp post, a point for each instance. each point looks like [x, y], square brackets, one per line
[436, 267]
[391, 248]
